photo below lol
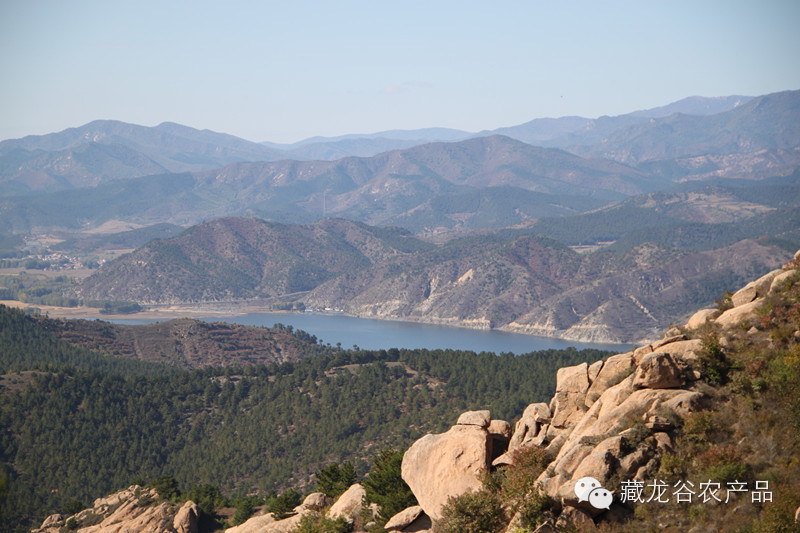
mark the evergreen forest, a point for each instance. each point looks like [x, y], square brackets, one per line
[76, 425]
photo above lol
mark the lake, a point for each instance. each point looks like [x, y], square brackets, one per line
[383, 334]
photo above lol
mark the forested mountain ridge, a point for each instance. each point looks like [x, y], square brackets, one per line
[530, 285]
[177, 148]
[375, 190]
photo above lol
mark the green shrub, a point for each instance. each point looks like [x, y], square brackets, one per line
[386, 487]
[517, 485]
[474, 512]
[334, 479]
[724, 302]
[723, 464]
[520, 477]
[698, 427]
[673, 466]
[244, 509]
[315, 523]
[283, 505]
[167, 487]
[714, 366]
[207, 497]
[73, 507]
[633, 438]
[778, 517]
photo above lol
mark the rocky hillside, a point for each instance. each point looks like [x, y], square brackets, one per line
[245, 258]
[526, 283]
[617, 428]
[530, 285]
[632, 424]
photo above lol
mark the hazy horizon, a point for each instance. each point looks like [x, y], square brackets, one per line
[286, 72]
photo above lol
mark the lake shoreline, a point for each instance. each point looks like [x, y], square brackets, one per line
[219, 311]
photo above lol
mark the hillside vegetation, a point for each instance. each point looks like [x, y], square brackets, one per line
[77, 424]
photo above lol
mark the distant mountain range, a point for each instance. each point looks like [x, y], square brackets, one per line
[552, 132]
[107, 170]
[106, 150]
[385, 189]
[669, 207]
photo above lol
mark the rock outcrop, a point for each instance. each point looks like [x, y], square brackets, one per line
[349, 504]
[187, 519]
[404, 519]
[133, 510]
[437, 467]
[609, 420]
[589, 432]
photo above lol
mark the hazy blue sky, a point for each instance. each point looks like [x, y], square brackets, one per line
[283, 71]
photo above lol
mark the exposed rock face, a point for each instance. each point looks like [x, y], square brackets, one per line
[187, 519]
[744, 295]
[780, 279]
[613, 370]
[422, 524]
[658, 370]
[255, 524]
[267, 524]
[572, 383]
[404, 518]
[349, 504]
[500, 428]
[732, 317]
[528, 427]
[475, 418]
[129, 511]
[701, 317]
[750, 297]
[53, 520]
[437, 467]
[316, 501]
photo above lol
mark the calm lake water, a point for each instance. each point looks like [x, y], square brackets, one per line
[384, 334]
